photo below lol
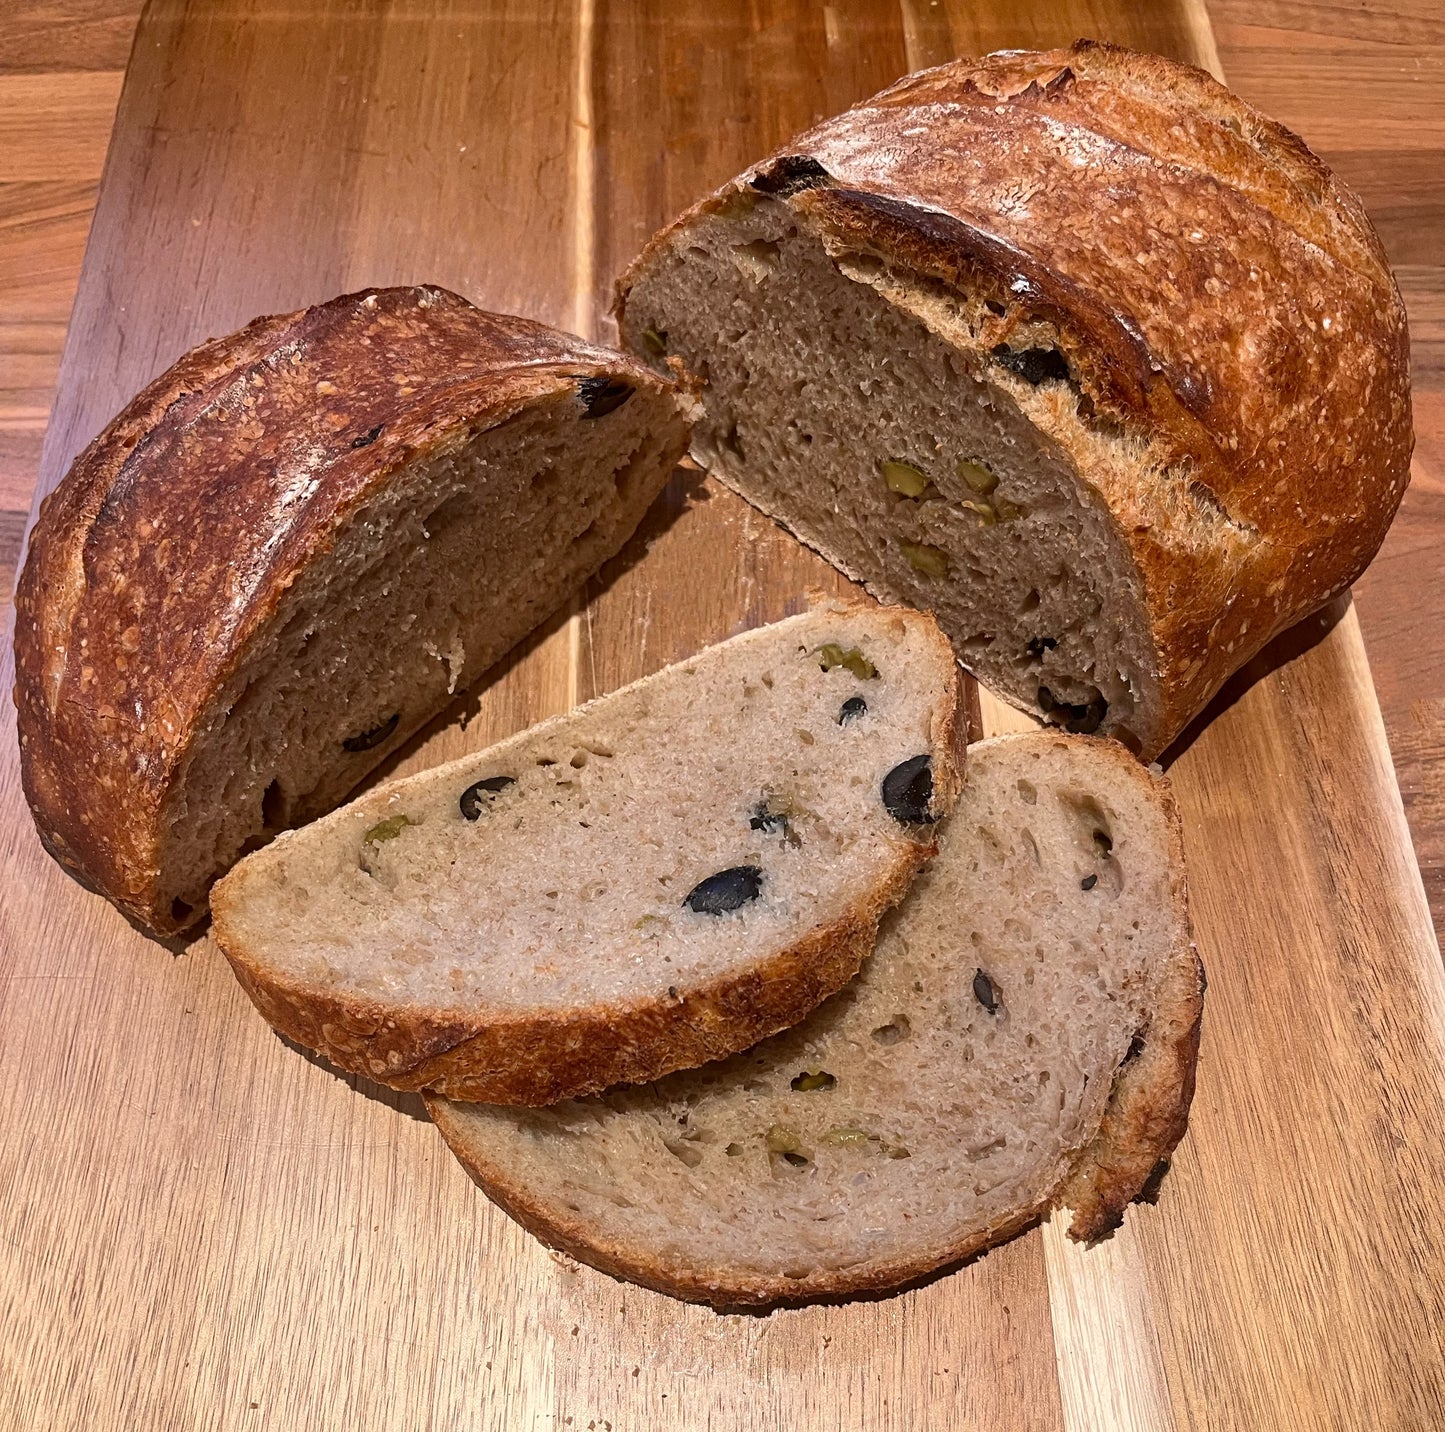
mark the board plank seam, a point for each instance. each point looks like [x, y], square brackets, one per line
[584, 261]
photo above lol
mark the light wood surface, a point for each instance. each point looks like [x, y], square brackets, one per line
[1365, 85]
[201, 1227]
[60, 75]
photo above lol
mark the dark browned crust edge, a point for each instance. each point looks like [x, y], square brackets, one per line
[82, 762]
[485, 1057]
[1143, 1121]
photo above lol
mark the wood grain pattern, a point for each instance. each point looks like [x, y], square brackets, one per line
[1326, 1019]
[60, 77]
[50, 131]
[202, 1227]
[1364, 85]
[66, 37]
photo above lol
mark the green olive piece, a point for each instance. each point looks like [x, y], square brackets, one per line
[783, 1140]
[830, 654]
[387, 829]
[988, 514]
[813, 1079]
[977, 476]
[903, 478]
[853, 1138]
[931, 561]
[654, 342]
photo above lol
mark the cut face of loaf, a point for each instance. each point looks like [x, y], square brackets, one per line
[666, 875]
[1074, 349]
[1023, 1037]
[912, 469]
[286, 556]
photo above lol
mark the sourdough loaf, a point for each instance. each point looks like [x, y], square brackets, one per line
[1023, 1037]
[1075, 349]
[661, 877]
[289, 551]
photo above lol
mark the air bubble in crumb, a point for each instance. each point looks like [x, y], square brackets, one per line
[894, 1032]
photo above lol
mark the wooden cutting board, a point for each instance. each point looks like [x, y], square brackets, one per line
[202, 1227]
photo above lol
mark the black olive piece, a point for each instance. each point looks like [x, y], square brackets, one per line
[1082, 718]
[477, 797]
[366, 439]
[770, 822]
[726, 891]
[797, 1160]
[1088, 882]
[1085, 719]
[1038, 645]
[367, 740]
[601, 396]
[908, 791]
[853, 708]
[985, 992]
[791, 175]
[1033, 365]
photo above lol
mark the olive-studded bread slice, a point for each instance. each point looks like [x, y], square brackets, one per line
[289, 551]
[1075, 349]
[662, 877]
[1023, 1037]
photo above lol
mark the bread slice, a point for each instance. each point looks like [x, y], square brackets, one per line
[287, 553]
[1023, 1037]
[661, 877]
[1075, 349]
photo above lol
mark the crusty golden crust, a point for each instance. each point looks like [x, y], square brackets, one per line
[170, 544]
[1212, 286]
[534, 1059]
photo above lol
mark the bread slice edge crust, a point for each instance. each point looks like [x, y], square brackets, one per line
[1143, 1121]
[1148, 1109]
[539, 1057]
